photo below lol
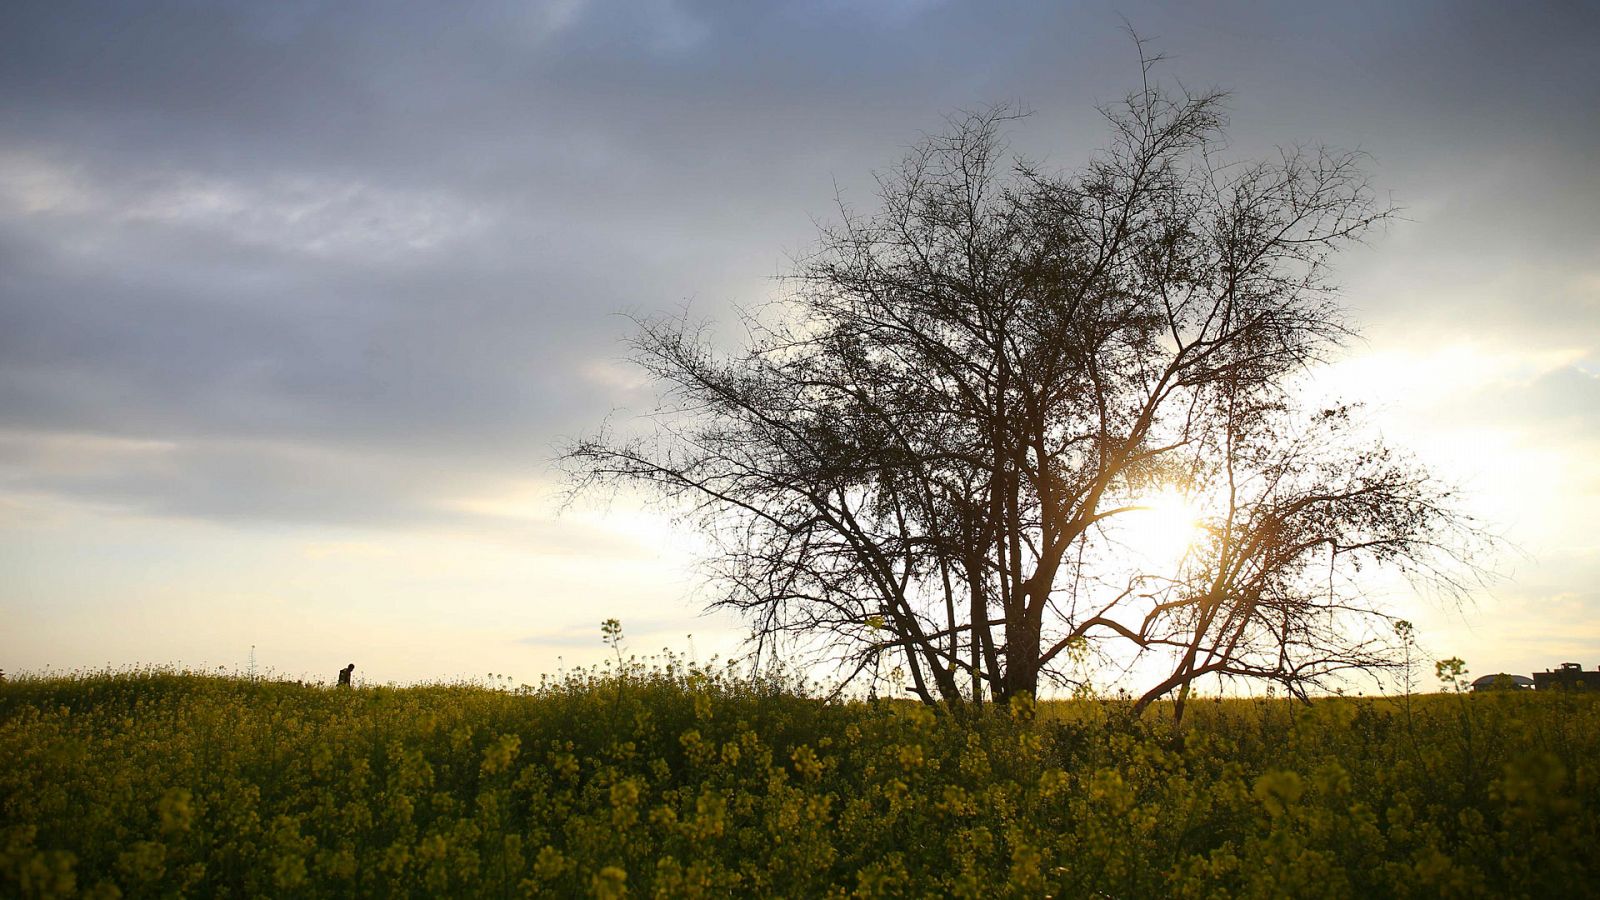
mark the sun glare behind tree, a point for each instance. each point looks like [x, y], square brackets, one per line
[954, 423]
[1160, 528]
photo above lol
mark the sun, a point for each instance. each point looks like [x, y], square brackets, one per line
[1161, 526]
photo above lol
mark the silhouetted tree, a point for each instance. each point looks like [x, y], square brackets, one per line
[923, 449]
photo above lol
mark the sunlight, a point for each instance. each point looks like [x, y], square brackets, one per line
[1163, 526]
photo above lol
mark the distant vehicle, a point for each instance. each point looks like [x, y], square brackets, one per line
[1500, 681]
[1570, 676]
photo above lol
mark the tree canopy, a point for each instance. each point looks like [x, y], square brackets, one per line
[930, 450]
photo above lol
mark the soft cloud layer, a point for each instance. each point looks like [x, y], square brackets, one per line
[287, 275]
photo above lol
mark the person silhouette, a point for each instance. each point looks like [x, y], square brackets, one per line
[344, 675]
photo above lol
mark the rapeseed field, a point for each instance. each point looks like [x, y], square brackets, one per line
[673, 781]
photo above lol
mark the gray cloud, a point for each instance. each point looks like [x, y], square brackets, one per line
[1560, 404]
[337, 255]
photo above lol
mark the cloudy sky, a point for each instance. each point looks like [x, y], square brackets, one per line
[298, 298]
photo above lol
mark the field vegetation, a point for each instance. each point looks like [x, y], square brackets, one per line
[670, 780]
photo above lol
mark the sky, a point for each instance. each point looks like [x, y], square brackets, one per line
[298, 300]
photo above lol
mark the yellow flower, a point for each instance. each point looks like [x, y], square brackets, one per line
[176, 809]
[549, 865]
[497, 757]
[610, 883]
[806, 763]
[1277, 791]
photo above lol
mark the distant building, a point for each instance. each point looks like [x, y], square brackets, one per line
[1500, 681]
[1570, 676]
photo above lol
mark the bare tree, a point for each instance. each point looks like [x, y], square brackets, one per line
[922, 449]
[1269, 590]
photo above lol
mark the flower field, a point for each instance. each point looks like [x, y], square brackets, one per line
[675, 782]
